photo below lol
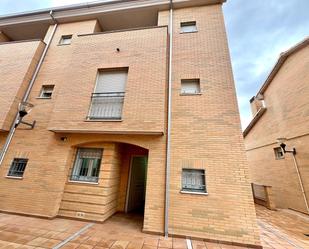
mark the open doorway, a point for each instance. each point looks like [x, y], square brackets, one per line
[136, 191]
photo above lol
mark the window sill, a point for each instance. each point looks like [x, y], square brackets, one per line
[193, 193]
[63, 44]
[15, 177]
[103, 120]
[189, 32]
[82, 182]
[43, 97]
[189, 94]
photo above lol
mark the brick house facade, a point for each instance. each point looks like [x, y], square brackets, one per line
[100, 148]
[281, 110]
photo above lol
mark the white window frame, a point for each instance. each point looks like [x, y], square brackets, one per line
[184, 27]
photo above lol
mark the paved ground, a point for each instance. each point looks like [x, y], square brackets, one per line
[279, 230]
[283, 228]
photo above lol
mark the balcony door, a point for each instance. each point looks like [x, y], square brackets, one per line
[108, 97]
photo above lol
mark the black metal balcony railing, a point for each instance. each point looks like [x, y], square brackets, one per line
[106, 105]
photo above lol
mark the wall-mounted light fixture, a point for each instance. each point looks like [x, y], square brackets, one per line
[282, 144]
[24, 109]
[64, 139]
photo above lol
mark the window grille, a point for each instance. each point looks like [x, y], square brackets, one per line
[87, 165]
[193, 180]
[18, 167]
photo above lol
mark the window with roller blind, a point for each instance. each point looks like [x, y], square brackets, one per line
[190, 86]
[46, 91]
[108, 97]
[188, 27]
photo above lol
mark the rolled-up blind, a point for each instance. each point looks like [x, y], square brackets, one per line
[111, 81]
[90, 153]
[190, 86]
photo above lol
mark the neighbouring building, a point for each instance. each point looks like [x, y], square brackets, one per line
[132, 114]
[281, 115]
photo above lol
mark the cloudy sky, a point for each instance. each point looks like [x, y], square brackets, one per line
[258, 31]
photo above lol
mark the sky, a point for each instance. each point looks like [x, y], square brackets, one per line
[258, 31]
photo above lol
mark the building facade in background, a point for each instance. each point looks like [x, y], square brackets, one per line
[281, 114]
[101, 105]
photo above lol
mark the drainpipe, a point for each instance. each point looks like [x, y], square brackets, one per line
[26, 96]
[300, 182]
[169, 119]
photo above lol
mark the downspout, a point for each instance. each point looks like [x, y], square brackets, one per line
[301, 183]
[27, 93]
[169, 119]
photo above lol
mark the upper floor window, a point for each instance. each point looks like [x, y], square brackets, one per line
[278, 153]
[65, 40]
[190, 86]
[87, 165]
[188, 27]
[193, 180]
[108, 97]
[47, 91]
[18, 167]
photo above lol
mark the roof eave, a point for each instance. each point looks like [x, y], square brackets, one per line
[255, 119]
[271, 76]
[280, 62]
[78, 10]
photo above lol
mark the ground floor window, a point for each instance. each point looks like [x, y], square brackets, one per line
[193, 180]
[87, 165]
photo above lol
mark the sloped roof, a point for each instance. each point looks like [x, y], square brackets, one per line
[256, 117]
[91, 5]
[281, 60]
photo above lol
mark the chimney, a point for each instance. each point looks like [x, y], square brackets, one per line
[256, 102]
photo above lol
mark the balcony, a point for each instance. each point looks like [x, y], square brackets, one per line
[105, 106]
